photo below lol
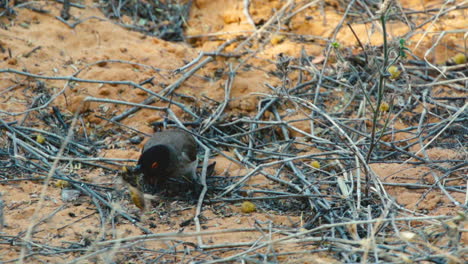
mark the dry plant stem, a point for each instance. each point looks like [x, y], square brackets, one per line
[134, 109]
[328, 51]
[257, 169]
[14, 131]
[424, 186]
[247, 14]
[102, 216]
[380, 94]
[202, 178]
[32, 149]
[302, 8]
[327, 226]
[273, 123]
[219, 143]
[9, 89]
[72, 26]
[293, 167]
[273, 197]
[193, 62]
[410, 154]
[256, 141]
[125, 126]
[202, 196]
[76, 221]
[30, 230]
[8, 9]
[76, 144]
[90, 192]
[204, 62]
[52, 157]
[172, 235]
[72, 4]
[273, 178]
[270, 21]
[2, 219]
[375, 228]
[435, 18]
[451, 120]
[57, 178]
[342, 132]
[102, 233]
[111, 101]
[98, 252]
[176, 84]
[423, 150]
[65, 13]
[444, 189]
[74, 79]
[222, 33]
[254, 125]
[431, 50]
[52, 170]
[220, 110]
[464, 79]
[47, 218]
[324, 65]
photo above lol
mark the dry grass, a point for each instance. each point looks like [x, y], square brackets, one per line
[342, 112]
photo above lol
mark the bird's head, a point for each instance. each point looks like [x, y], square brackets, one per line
[154, 163]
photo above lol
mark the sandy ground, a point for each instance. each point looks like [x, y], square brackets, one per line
[41, 44]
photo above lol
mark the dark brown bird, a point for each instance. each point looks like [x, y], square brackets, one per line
[169, 155]
[168, 158]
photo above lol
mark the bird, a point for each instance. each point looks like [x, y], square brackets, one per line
[168, 159]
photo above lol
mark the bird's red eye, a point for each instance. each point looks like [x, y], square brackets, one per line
[154, 165]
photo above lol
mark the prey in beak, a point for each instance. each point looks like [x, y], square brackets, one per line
[132, 177]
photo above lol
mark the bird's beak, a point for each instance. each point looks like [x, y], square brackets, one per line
[131, 170]
[131, 175]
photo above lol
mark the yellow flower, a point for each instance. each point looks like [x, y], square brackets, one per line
[315, 164]
[394, 72]
[62, 184]
[40, 139]
[384, 107]
[248, 207]
[276, 39]
[460, 58]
